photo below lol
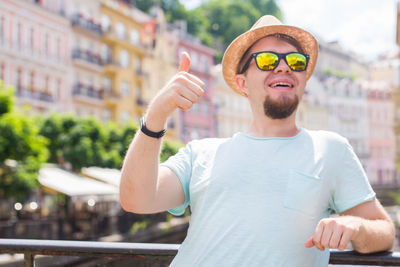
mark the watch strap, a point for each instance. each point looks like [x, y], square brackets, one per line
[147, 132]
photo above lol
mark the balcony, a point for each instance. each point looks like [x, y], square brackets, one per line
[87, 91]
[111, 66]
[140, 74]
[111, 97]
[86, 56]
[79, 20]
[35, 95]
[111, 37]
[154, 254]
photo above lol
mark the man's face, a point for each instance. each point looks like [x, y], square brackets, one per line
[278, 92]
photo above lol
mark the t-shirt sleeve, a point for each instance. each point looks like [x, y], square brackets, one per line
[181, 165]
[351, 186]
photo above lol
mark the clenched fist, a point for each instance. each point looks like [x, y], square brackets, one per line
[334, 233]
[182, 91]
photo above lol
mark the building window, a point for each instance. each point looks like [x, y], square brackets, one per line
[106, 53]
[195, 133]
[185, 132]
[195, 108]
[30, 80]
[18, 78]
[120, 29]
[58, 48]
[47, 84]
[137, 64]
[107, 84]
[1, 28]
[205, 109]
[31, 39]
[105, 23]
[204, 63]
[47, 45]
[194, 58]
[125, 88]
[124, 58]
[135, 36]
[2, 72]
[19, 36]
[58, 91]
[107, 115]
[206, 132]
[138, 92]
[125, 116]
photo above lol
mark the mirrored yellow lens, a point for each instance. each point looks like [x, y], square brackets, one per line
[296, 61]
[267, 61]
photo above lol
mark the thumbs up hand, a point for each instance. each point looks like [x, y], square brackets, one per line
[182, 91]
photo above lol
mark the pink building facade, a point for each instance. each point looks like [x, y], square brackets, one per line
[200, 120]
[381, 167]
[35, 55]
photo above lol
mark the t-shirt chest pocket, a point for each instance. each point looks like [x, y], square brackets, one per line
[303, 193]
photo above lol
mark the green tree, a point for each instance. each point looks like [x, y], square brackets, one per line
[6, 99]
[267, 7]
[22, 151]
[170, 148]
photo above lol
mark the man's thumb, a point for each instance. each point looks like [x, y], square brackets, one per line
[309, 243]
[184, 64]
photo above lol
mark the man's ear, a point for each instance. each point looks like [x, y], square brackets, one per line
[241, 83]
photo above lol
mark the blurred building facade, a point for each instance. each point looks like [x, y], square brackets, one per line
[160, 63]
[396, 95]
[34, 55]
[200, 120]
[122, 53]
[348, 114]
[87, 66]
[313, 112]
[233, 110]
[381, 167]
[333, 59]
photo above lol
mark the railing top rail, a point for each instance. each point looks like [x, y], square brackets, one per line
[123, 249]
[90, 248]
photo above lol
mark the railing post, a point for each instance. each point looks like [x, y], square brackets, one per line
[29, 259]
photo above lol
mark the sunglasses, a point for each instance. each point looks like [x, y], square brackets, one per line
[268, 61]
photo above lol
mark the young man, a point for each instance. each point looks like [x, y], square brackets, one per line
[260, 198]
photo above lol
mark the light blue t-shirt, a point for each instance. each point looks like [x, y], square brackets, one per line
[255, 201]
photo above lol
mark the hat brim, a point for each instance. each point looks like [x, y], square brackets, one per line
[239, 46]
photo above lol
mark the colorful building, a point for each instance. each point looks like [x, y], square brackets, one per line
[381, 167]
[348, 114]
[313, 111]
[34, 55]
[87, 67]
[160, 63]
[200, 120]
[233, 110]
[122, 54]
[396, 97]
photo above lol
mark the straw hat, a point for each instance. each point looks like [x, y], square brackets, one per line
[265, 26]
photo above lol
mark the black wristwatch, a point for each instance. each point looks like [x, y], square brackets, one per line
[147, 132]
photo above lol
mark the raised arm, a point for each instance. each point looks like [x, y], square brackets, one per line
[144, 187]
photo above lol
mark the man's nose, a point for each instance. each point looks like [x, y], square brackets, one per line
[282, 67]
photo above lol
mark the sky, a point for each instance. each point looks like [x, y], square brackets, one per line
[364, 27]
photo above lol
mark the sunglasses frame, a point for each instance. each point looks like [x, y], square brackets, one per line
[280, 56]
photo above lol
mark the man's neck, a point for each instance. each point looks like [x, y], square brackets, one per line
[267, 127]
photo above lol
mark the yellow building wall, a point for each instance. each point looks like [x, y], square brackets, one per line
[119, 104]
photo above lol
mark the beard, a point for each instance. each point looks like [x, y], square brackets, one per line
[281, 108]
